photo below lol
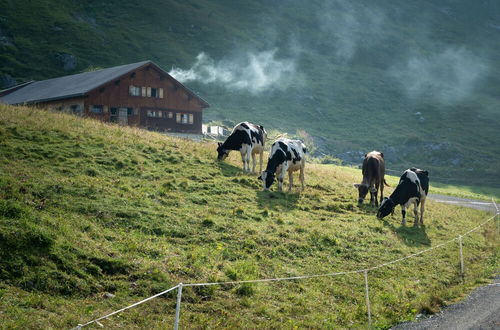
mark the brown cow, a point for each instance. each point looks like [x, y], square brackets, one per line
[373, 178]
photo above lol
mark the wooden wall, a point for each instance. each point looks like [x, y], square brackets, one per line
[176, 99]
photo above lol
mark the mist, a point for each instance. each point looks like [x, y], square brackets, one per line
[254, 72]
[351, 26]
[448, 77]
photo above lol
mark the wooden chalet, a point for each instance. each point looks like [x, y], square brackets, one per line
[138, 94]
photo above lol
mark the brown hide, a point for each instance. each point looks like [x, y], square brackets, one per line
[373, 177]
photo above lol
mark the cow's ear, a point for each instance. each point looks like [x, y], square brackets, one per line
[260, 177]
[426, 173]
[382, 154]
[219, 143]
[365, 155]
[356, 185]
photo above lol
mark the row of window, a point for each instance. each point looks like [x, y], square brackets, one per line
[160, 114]
[145, 91]
[181, 118]
[99, 109]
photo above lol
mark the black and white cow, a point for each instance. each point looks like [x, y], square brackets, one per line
[249, 139]
[413, 188]
[285, 156]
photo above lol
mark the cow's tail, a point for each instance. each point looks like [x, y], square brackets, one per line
[385, 183]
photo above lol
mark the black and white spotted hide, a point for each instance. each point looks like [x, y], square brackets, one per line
[249, 140]
[286, 156]
[413, 188]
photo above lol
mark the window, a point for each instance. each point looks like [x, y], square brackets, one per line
[76, 109]
[168, 114]
[130, 111]
[154, 92]
[113, 117]
[134, 90]
[184, 118]
[154, 114]
[97, 109]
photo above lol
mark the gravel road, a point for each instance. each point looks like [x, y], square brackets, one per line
[481, 309]
[472, 203]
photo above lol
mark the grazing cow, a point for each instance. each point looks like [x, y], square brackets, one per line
[249, 139]
[413, 188]
[285, 156]
[373, 178]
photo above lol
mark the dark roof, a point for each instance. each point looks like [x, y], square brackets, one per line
[67, 86]
[75, 85]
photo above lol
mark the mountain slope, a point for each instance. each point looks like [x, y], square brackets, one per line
[88, 209]
[417, 81]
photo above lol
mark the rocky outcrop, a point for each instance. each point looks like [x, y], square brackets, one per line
[67, 61]
[6, 81]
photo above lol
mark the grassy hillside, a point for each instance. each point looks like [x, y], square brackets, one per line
[88, 208]
[415, 80]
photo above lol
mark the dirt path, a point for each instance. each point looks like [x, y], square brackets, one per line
[472, 203]
[481, 309]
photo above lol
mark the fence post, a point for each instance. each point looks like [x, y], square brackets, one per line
[461, 256]
[496, 214]
[178, 307]
[367, 298]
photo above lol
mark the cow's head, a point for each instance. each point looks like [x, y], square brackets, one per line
[363, 191]
[221, 152]
[386, 207]
[267, 179]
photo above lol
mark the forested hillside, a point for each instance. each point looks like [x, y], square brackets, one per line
[417, 80]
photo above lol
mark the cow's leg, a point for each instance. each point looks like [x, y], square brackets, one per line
[403, 212]
[415, 213]
[422, 209]
[302, 176]
[244, 158]
[280, 183]
[281, 176]
[290, 179]
[253, 163]
[261, 159]
[381, 185]
[248, 156]
[372, 203]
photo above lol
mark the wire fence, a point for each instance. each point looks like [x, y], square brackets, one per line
[363, 271]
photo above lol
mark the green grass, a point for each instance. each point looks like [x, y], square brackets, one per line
[88, 208]
[346, 105]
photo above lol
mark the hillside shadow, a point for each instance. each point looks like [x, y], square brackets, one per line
[367, 209]
[228, 169]
[410, 235]
[274, 200]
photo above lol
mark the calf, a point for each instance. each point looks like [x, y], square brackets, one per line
[373, 178]
[249, 139]
[413, 188]
[285, 156]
